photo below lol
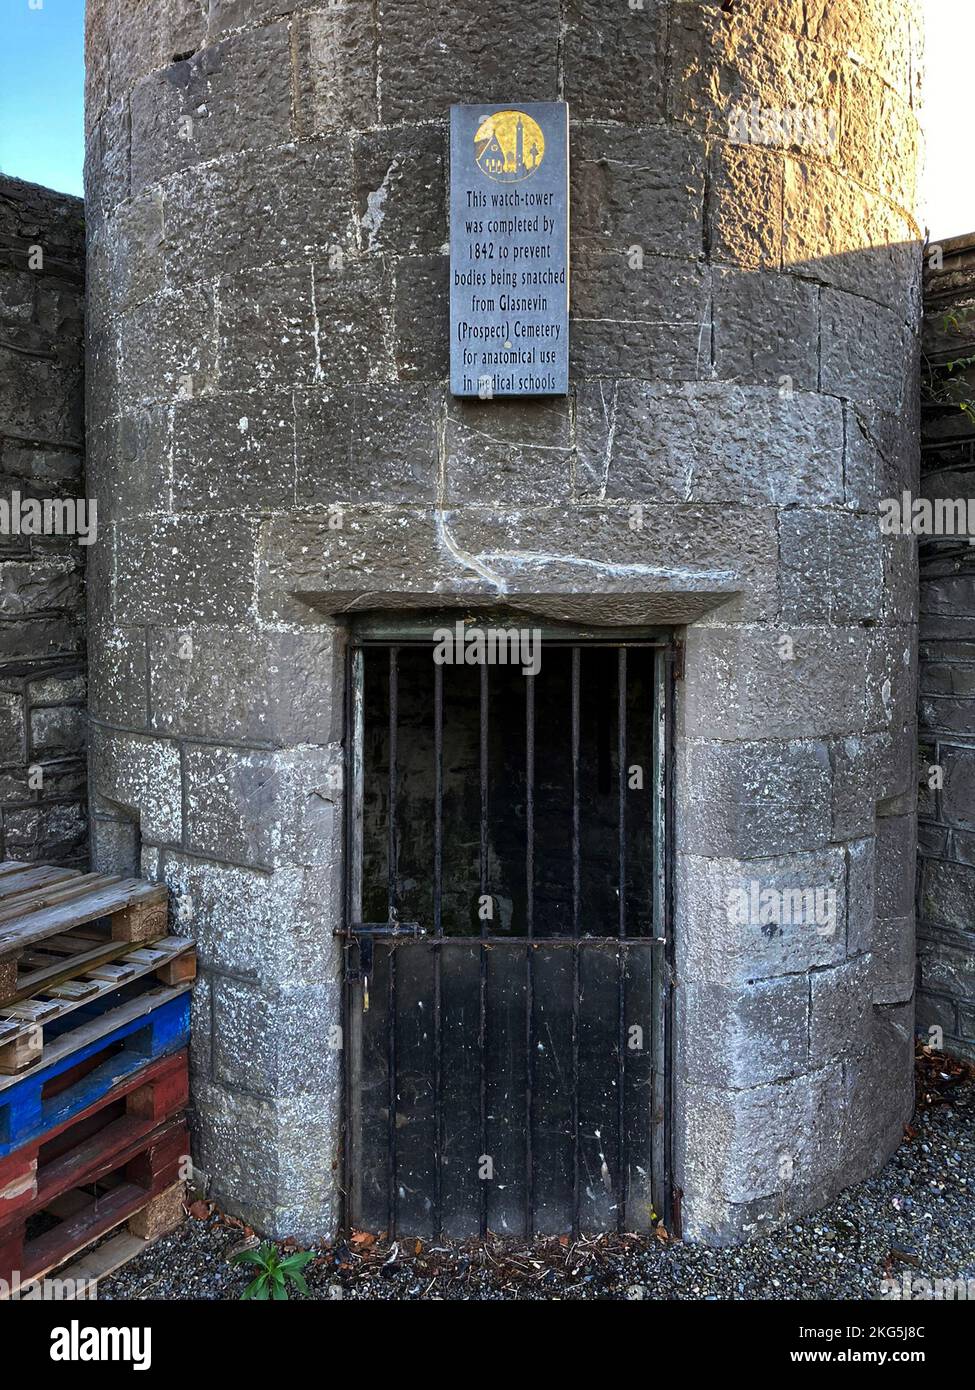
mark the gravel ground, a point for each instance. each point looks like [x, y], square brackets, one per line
[916, 1218]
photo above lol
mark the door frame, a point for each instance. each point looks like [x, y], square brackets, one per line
[409, 629]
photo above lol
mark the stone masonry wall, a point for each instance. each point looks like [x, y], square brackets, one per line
[43, 812]
[273, 445]
[946, 900]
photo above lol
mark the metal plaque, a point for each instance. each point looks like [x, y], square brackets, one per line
[509, 250]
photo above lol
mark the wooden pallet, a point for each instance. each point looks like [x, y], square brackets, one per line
[82, 1065]
[134, 1178]
[72, 973]
[39, 902]
[132, 1108]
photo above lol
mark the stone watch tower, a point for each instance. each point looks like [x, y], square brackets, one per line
[272, 445]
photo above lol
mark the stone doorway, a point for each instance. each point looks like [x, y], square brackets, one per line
[507, 930]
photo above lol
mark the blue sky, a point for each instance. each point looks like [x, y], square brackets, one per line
[41, 91]
[41, 113]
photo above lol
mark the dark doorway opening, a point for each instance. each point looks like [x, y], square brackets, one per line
[507, 938]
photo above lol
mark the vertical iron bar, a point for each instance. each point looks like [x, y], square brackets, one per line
[438, 954]
[658, 957]
[621, 1156]
[484, 710]
[352, 1035]
[576, 925]
[391, 950]
[529, 964]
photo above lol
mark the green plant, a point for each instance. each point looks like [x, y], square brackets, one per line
[946, 383]
[276, 1271]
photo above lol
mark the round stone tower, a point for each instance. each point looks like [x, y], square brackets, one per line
[273, 445]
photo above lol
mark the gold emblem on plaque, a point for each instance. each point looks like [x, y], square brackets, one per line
[509, 146]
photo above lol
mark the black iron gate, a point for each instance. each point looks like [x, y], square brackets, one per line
[506, 940]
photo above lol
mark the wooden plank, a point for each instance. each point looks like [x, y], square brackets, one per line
[58, 893]
[35, 981]
[14, 866]
[20, 885]
[173, 960]
[151, 1096]
[120, 898]
[160, 1215]
[99, 1264]
[141, 1031]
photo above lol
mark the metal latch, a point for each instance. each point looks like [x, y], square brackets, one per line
[360, 937]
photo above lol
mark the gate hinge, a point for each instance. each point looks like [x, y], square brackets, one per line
[677, 660]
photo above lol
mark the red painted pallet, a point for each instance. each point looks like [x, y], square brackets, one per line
[133, 1107]
[132, 1174]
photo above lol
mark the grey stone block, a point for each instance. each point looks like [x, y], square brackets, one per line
[848, 238]
[958, 793]
[831, 566]
[896, 850]
[274, 928]
[240, 446]
[893, 959]
[736, 1038]
[868, 355]
[947, 964]
[637, 189]
[752, 798]
[650, 441]
[262, 809]
[421, 314]
[341, 432]
[428, 59]
[743, 684]
[615, 60]
[654, 321]
[234, 95]
[13, 728]
[267, 330]
[741, 1145]
[840, 1010]
[726, 934]
[166, 347]
[282, 1044]
[861, 894]
[277, 205]
[766, 329]
[143, 775]
[522, 454]
[399, 187]
[336, 68]
[243, 685]
[58, 731]
[187, 569]
[117, 670]
[745, 210]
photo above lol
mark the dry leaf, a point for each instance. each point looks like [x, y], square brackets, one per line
[199, 1210]
[661, 1232]
[362, 1239]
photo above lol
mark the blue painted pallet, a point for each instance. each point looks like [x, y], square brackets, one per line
[148, 1027]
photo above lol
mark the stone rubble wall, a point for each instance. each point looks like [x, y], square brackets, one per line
[272, 440]
[43, 804]
[946, 811]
